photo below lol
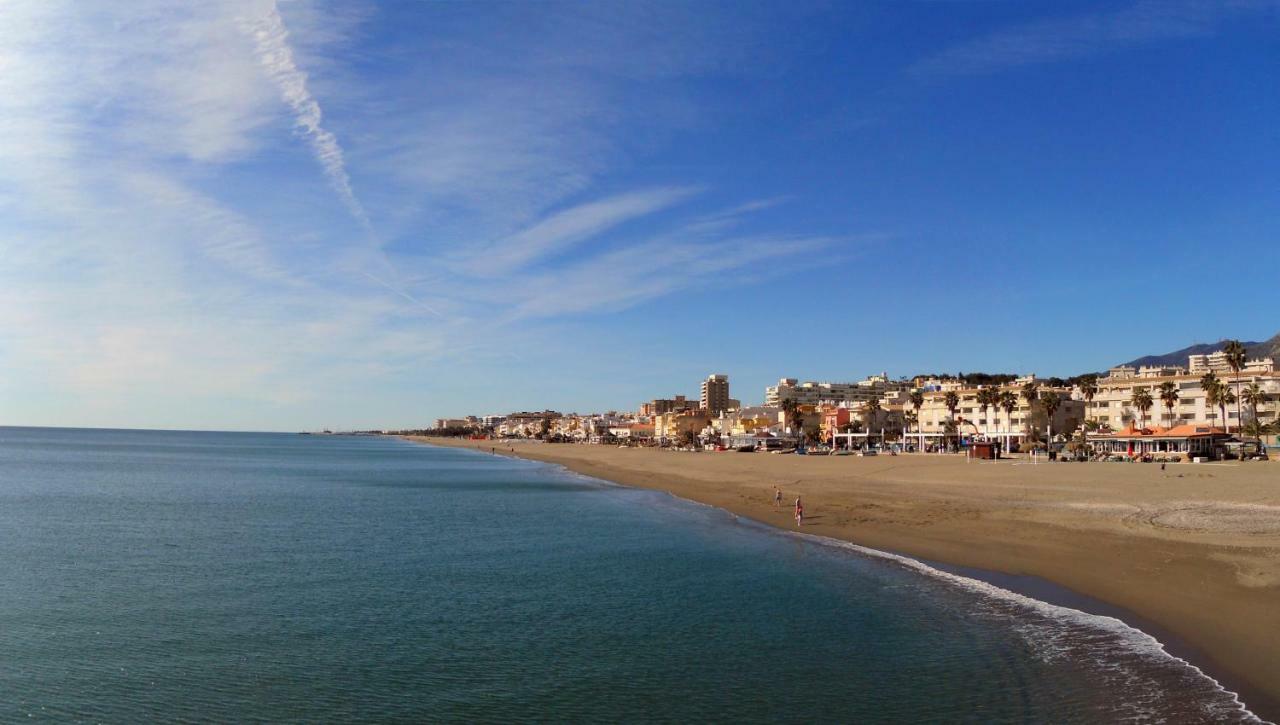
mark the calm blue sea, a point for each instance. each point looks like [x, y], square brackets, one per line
[226, 576]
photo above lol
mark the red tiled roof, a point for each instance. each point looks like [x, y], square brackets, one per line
[1178, 431]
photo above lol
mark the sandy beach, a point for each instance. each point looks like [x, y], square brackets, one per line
[1194, 548]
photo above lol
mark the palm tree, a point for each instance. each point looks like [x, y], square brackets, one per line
[1088, 389]
[1235, 355]
[1257, 428]
[950, 429]
[1212, 388]
[1050, 401]
[791, 412]
[909, 420]
[1227, 397]
[1009, 402]
[1254, 396]
[1168, 392]
[988, 398]
[917, 402]
[1030, 393]
[952, 401]
[869, 410]
[1141, 399]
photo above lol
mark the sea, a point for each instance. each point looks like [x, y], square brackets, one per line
[194, 576]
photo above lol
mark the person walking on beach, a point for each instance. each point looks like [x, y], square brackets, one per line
[799, 512]
[777, 497]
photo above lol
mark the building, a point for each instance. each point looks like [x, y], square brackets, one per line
[1187, 440]
[455, 423]
[993, 423]
[631, 431]
[748, 421]
[527, 424]
[815, 393]
[1112, 406]
[670, 426]
[715, 394]
[834, 418]
[658, 406]
[1217, 362]
[849, 426]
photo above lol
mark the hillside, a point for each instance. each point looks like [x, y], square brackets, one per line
[1179, 357]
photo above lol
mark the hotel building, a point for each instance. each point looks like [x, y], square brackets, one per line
[658, 406]
[993, 423]
[814, 393]
[715, 394]
[1112, 406]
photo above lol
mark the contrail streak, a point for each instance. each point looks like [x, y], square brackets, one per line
[405, 295]
[276, 56]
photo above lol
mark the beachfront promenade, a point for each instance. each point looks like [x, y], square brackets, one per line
[1194, 548]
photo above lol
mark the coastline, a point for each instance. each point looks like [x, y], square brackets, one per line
[1190, 555]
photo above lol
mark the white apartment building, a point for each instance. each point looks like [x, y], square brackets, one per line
[994, 423]
[1112, 404]
[455, 422]
[815, 393]
[1217, 362]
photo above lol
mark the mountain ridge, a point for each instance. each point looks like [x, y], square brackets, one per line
[1265, 348]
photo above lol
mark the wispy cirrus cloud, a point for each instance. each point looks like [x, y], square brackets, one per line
[1062, 38]
[614, 270]
[562, 230]
[167, 246]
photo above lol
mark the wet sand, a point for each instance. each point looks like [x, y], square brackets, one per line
[1194, 548]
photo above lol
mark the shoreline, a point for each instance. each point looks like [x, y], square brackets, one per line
[1001, 537]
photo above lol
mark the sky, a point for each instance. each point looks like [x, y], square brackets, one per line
[295, 215]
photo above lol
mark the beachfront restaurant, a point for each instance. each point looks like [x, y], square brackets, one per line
[1193, 440]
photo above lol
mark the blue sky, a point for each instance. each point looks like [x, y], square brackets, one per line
[260, 216]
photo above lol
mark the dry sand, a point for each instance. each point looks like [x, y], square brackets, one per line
[1194, 548]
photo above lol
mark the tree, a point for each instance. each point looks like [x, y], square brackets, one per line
[1257, 429]
[910, 419]
[950, 429]
[813, 435]
[1227, 398]
[1254, 396]
[988, 398]
[1050, 402]
[1168, 392]
[869, 411]
[1088, 390]
[917, 402]
[1235, 355]
[952, 401]
[791, 411]
[687, 439]
[1009, 402]
[1212, 388]
[1141, 399]
[1030, 393]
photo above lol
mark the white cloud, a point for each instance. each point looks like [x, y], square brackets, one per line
[276, 56]
[166, 245]
[1081, 35]
[563, 229]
